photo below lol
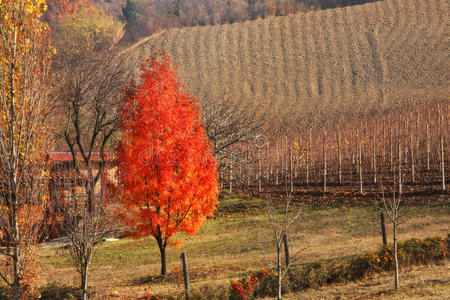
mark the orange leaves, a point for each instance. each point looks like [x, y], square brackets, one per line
[167, 172]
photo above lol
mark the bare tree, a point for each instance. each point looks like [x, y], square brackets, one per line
[280, 226]
[228, 123]
[392, 208]
[89, 93]
[84, 226]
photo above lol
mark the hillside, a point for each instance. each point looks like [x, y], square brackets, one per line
[320, 65]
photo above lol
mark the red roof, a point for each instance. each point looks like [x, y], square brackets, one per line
[67, 156]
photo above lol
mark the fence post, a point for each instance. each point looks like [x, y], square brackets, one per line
[186, 275]
[286, 250]
[383, 228]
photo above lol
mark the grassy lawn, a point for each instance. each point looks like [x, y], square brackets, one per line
[227, 247]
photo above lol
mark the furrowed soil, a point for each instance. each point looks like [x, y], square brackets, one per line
[318, 66]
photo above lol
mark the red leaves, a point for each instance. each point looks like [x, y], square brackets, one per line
[167, 172]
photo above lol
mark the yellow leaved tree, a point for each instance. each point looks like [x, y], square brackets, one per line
[87, 29]
[24, 62]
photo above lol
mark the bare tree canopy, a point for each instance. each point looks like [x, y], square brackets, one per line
[228, 123]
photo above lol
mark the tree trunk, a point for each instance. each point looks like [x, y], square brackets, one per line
[84, 280]
[162, 250]
[16, 283]
[395, 253]
[15, 219]
[279, 270]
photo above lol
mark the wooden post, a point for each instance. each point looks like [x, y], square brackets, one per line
[428, 147]
[231, 174]
[383, 228]
[325, 162]
[374, 157]
[248, 167]
[308, 156]
[290, 169]
[259, 171]
[360, 168]
[220, 173]
[442, 163]
[185, 274]
[286, 250]
[240, 176]
[296, 157]
[391, 148]
[383, 161]
[413, 163]
[339, 157]
[276, 163]
[286, 160]
[268, 163]
[400, 181]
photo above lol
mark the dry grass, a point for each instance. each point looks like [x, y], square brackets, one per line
[331, 64]
[422, 282]
[227, 248]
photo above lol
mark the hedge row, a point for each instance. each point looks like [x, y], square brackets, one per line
[316, 274]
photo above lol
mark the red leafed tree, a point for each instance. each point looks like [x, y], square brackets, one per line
[167, 171]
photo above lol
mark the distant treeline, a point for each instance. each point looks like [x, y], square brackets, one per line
[144, 17]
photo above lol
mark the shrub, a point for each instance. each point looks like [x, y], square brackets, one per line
[338, 271]
[316, 274]
[260, 283]
[209, 292]
[267, 285]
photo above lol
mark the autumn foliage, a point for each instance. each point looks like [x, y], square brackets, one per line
[25, 55]
[167, 172]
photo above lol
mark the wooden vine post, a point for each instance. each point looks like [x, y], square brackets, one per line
[374, 158]
[400, 180]
[413, 163]
[259, 171]
[185, 275]
[325, 162]
[442, 163]
[308, 150]
[231, 174]
[286, 250]
[339, 157]
[383, 228]
[291, 170]
[360, 168]
[428, 147]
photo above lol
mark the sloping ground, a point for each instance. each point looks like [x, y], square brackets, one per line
[321, 65]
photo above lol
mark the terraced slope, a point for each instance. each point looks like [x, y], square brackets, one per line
[321, 65]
